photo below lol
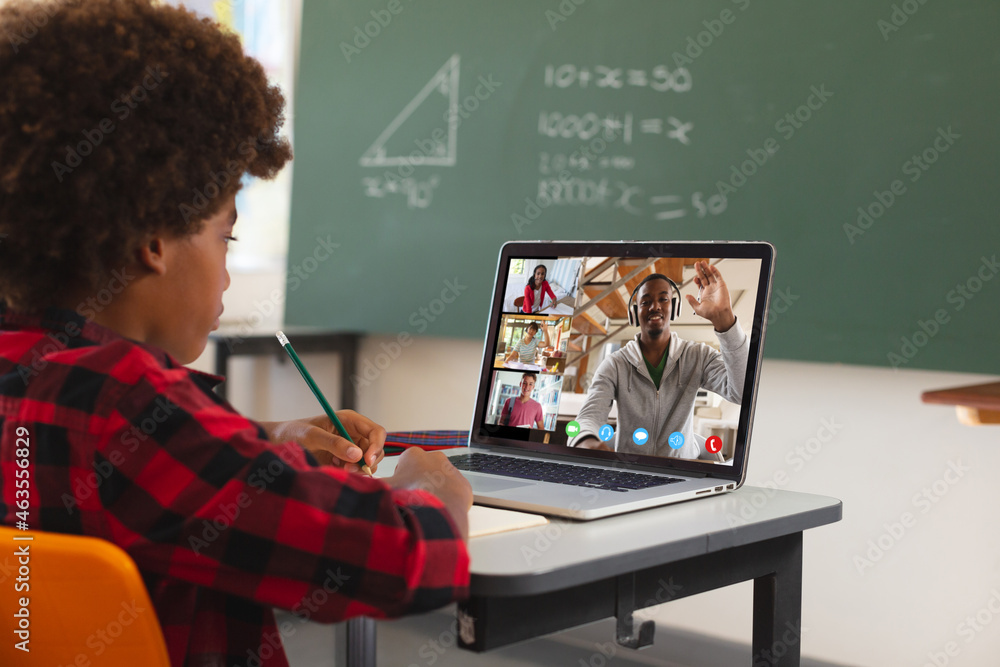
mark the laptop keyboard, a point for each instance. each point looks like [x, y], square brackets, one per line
[559, 473]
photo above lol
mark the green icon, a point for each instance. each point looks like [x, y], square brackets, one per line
[572, 428]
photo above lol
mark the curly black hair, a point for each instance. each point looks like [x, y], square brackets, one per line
[118, 119]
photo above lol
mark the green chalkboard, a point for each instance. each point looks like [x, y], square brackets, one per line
[428, 133]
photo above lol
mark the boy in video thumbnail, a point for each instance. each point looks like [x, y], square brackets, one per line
[523, 410]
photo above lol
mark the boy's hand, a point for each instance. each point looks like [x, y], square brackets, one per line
[434, 473]
[319, 436]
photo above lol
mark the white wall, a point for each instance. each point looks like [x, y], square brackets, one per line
[888, 449]
[884, 447]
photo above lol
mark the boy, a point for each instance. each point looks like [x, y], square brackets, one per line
[125, 129]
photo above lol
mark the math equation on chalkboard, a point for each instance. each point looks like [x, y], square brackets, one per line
[595, 166]
[585, 157]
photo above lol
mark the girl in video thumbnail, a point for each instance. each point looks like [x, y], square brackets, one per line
[536, 289]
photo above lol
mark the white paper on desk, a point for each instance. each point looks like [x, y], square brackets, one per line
[490, 520]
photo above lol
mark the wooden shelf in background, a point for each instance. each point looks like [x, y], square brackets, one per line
[976, 404]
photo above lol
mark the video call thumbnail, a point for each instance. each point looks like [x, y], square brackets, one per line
[524, 400]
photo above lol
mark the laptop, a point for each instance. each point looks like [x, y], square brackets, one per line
[569, 420]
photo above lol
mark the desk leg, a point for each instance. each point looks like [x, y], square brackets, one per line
[222, 366]
[777, 608]
[348, 369]
[354, 643]
[627, 632]
[774, 565]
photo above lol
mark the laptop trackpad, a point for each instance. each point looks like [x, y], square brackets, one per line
[490, 484]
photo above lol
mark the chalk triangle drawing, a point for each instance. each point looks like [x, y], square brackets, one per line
[444, 82]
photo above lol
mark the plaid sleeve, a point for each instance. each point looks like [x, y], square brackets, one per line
[195, 492]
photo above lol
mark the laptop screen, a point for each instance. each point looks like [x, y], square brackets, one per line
[639, 352]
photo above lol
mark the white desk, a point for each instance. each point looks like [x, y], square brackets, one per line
[533, 582]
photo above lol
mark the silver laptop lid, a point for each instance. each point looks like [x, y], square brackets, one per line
[566, 370]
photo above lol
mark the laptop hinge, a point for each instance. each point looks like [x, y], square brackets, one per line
[569, 458]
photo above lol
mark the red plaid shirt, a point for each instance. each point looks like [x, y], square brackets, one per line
[129, 446]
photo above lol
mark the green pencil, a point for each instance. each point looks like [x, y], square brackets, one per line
[283, 339]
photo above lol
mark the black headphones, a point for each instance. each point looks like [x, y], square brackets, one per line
[675, 300]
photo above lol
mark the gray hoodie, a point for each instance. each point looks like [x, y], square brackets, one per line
[623, 376]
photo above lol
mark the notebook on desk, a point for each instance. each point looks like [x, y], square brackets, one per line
[624, 314]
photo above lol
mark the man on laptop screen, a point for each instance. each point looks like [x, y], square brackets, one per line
[656, 376]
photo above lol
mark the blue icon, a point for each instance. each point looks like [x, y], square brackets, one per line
[606, 433]
[676, 440]
[640, 437]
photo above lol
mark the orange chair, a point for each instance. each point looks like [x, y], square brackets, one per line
[86, 604]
